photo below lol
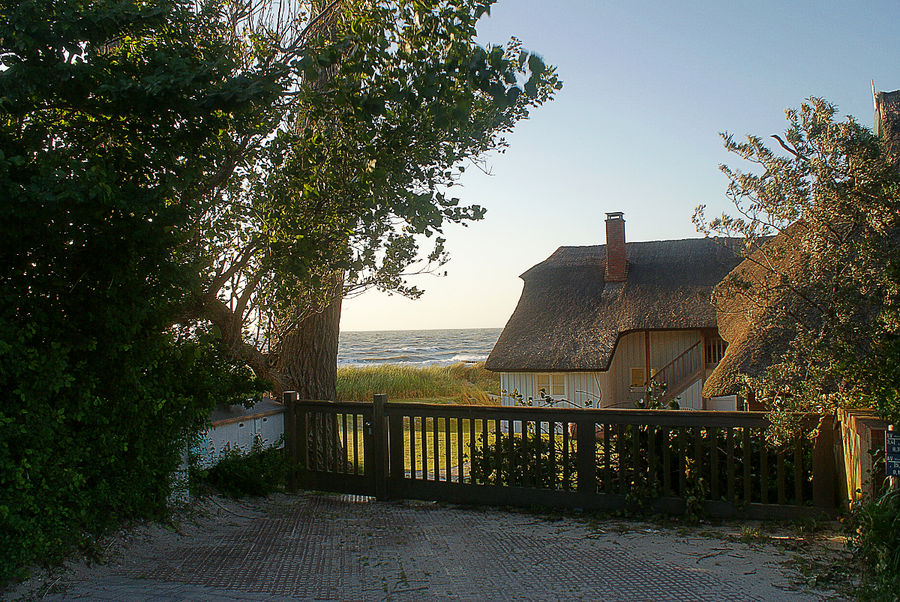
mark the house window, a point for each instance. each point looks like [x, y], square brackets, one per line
[553, 385]
[637, 377]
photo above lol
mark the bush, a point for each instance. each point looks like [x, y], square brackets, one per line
[876, 545]
[522, 462]
[76, 460]
[259, 472]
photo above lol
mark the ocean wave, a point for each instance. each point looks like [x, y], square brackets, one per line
[468, 357]
[416, 347]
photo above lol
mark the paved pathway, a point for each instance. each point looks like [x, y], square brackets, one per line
[337, 547]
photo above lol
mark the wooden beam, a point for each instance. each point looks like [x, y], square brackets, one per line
[646, 358]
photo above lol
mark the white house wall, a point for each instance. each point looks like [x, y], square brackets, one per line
[582, 388]
[220, 438]
[615, 384]
[692, 397]
[665, 346]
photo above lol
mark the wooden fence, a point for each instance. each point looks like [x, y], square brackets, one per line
[861, 453]
[671, 461]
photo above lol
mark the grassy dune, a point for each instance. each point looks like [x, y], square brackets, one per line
[459, 383]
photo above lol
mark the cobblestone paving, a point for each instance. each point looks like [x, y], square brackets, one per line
[332, 547]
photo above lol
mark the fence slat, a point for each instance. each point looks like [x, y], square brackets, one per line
[782, 496]
[344, 459]
[334, 442]
[380, 443]
[487, 452]
[295, 439]
[698, 453]
[652, 476]
[472, 444]
[498, 442]
[682, 461]
[551, 435]
[763, 470]
[798, 470]
[424, 437]
[607, 474]
[396, 461]
[635, 454]
[447, 443]
[747, 457]
[620, 458]
[459, 450]
[437, 448]
[586, 458]
[667, 460]
[315, 457]
[729, 444]
[512, 443]
[713, 435]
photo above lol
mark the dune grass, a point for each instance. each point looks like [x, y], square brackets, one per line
[457, 383]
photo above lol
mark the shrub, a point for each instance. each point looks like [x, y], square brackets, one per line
[876, 545]
[522, 462]
[76, 460]
[259, 472]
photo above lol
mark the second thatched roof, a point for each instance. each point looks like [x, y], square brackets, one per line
[569, 319]
[746, 320]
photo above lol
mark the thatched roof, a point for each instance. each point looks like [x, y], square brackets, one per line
[569, 319]
[755, 341]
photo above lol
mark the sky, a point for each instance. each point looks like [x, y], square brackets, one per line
[647, 88]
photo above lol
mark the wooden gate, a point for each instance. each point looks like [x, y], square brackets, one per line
[331, 444]
[671, 461]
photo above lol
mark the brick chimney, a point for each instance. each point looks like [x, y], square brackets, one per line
[615, 247]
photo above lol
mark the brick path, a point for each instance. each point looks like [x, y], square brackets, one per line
[339, 547]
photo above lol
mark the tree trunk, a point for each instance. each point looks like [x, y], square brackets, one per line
[307, 357]
[307, 363]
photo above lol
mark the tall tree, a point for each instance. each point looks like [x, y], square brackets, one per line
[819, 292]
[335, 188]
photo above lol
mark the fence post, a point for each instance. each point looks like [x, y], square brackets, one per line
[396, 468]
[291, 434]
[823, 469]
[585, 456]
[379, 446]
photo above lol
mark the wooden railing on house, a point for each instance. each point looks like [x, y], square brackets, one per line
[715, 349]
[679, 374]
[665, 461]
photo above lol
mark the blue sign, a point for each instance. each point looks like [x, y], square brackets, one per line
[892, 453]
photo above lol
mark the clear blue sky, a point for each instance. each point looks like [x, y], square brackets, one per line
[647, 88]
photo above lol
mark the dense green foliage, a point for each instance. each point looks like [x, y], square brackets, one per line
[830, 282]
[466, 383]
[259, 472]
[106, 108]
[875, 538]
[518, 461]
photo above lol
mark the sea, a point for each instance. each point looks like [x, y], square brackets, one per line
[416, 347]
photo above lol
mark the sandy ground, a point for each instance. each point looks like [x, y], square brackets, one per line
[344, 547]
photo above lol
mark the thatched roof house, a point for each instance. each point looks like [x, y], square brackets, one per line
[570, 316]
